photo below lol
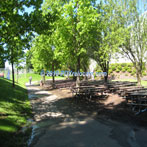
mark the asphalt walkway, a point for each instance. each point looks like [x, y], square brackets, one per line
[61, 122]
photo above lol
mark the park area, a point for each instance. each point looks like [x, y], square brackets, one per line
[73, 73]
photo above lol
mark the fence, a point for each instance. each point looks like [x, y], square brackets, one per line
[7, 73]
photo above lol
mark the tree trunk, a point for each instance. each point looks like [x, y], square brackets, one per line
[17, 75]
[106, 71]
[138, 74]
[78, 71]
[13, 78]
[85, 77]
[53, 76]
[106, 78]
[44, 78]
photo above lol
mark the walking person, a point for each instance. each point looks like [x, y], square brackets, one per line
[30, 80]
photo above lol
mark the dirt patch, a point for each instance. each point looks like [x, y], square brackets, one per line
[112, 106]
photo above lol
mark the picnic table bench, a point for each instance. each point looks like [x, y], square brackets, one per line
[138, 100]
[87, 91]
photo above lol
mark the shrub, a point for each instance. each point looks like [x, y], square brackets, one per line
[123, 64]
[113, 68]
[144, 73]
[126, 68]
[110, 71]
[117, 70]
[132, 73]
[119, 67]
[130, 64]
[123, 69]
[99, 70]
[129, 70]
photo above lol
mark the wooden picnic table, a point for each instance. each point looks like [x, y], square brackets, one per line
[87, 91]
[138, 100]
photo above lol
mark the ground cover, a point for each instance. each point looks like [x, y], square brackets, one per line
[15, 109]
[24, 78]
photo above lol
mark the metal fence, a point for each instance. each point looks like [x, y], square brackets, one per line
[7, 73]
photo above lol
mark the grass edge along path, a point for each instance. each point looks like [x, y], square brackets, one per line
[15, 109]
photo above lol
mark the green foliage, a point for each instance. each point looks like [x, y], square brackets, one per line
[113, 68]
[110, 71]
[15, 107]
[117, 70]
[119, 67]
[144, 73]
[129, 70]
[123, 69]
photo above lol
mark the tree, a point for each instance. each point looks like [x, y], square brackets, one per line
[45, 55]
[105, 37]
[14, 27]
[134, 45]
[76, 20]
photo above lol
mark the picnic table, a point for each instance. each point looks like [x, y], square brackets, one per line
[87, 91]
[138, 100]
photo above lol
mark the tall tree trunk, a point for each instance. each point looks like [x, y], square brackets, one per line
[106, 70]
[44, 77]
[13, 78]
[78, 71]
[138, 74]
[106, 78]
[17, 75]
[85, 70]
[53, 76]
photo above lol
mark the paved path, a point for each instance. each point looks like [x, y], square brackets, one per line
[62, 122]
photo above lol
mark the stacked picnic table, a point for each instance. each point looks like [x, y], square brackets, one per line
[89, 90]
[136, 96]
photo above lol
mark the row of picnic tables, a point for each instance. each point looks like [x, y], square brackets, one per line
[136, 96]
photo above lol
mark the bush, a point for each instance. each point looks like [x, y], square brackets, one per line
[123, 69]
[123, 64]
[119, 67]
[126, 68]
[144, 73]
[129, 64]
[129, 70]
[117, 70]
[132, 73]
[110, 71]
[113, 68]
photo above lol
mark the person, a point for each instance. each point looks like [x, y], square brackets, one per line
[30, 80]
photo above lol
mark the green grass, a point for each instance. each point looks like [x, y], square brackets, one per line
[144, 83]
[24, 78]
[15, 109]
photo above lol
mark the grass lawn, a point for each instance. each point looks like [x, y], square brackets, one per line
[15, 109]
[24, 78]
[144, 83]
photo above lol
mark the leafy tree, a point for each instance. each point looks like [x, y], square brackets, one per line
[45, 55]
[135, 26]
[106, 38]
[14, 27]
[76, 21]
